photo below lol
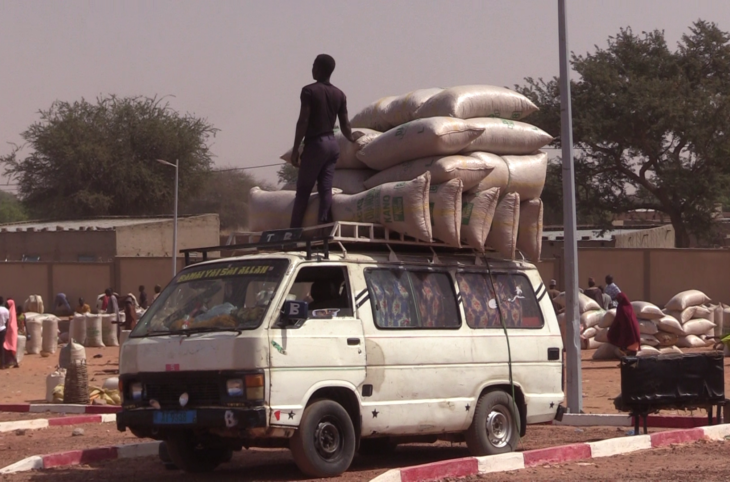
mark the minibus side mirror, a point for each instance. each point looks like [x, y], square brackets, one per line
[294, 313]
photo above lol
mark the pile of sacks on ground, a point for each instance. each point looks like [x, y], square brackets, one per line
[454, 165]
[688, 320]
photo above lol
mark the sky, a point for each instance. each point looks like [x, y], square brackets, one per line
[242, 64]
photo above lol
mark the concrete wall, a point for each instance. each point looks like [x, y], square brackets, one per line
[155, 239]
[63, 246]
[132, 272]
[660, 237]
[20, 280]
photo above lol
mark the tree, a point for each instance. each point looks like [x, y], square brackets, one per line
[650, 125]
[11, 210]
[225, 192]
[287, 173]
[98, 159]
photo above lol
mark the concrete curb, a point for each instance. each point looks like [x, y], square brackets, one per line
[86, 456]
[519, 460]
[619, 420]
[40, 423]
[60, 408]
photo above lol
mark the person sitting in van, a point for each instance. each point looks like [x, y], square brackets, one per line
[326, 294]
[624, 331]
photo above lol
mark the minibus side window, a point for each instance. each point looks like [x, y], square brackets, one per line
[324, 288]
[517, 303]
[412, 299]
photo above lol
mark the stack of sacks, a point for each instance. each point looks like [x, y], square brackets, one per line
[697, 320]
[471, 133]
[590, 316]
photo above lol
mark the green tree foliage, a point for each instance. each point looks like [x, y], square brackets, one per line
[11, 210]
[287, 173]
[97, 159]
[224, 192]
[650, 126]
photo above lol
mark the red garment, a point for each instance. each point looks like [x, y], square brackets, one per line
[11, 333]
[624, 331]
[104, 303]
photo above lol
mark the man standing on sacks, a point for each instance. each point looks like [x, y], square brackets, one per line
[322, 105]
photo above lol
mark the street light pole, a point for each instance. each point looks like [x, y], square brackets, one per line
[574, 383]
[174, 228]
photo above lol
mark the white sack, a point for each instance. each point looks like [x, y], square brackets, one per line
[666, 339]
[647, 350]
[593, 343]
[669, 324]
[650, 340]
[348, 150]
[33, 304]
[705, 312]
[590, 319]
[670, 350]
[502, 136]
[350, 181]
[392, 111]
[648, 327]
[608, 318]
[269, 210]
[698, 326]
[719, 316]
[34, 328]
[524, 175]
[602, 335]
[646, 310]
[444, 202]
[682, 316]
[109, 330]
[442, 168]
[77, 329]
[607, 352]
[584, 303]
[399, 206]
[690, 341]
[70, 353]
[477, 213]
[93, 331]
[589, 332]
[436, 136]
[469, 101]
[529, 233]
[682, 300]
[52, 381]
[503, 233]
[50, 334]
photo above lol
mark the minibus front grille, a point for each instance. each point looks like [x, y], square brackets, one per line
[200, 392]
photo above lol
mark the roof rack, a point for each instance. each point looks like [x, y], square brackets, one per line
[316, 238]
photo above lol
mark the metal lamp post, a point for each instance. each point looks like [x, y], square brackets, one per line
[174, 229]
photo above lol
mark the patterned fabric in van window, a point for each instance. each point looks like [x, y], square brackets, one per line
[476, 292]
[434, 299]
[392, 296]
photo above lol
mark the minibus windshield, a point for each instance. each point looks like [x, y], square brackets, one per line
[231, 296]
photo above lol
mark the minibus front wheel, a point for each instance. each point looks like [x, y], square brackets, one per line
[495, 427]
[324, 444]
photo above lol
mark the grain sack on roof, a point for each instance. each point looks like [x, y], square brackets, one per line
[442, 168]
[348, 150]
[392, 111]
[469, 101]
[477, 214]
[444, 202]
[502, 136]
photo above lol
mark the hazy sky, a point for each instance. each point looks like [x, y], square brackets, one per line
[242, 64]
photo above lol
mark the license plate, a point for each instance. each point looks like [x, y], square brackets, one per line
[178, 417]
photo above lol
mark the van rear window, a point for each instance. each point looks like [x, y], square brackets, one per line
[517, 303]
[412, 299]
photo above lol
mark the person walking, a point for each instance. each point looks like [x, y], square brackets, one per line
[10, 344]
[321, 105]
[624, 331]
[611, 290]
[4, 318]
[142, 298]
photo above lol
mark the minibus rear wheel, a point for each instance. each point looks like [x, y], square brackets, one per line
[324, 444]
[495, 428]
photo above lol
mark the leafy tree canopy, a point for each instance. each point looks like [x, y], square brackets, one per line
[11, 210]
[97, 159]
[651, 126]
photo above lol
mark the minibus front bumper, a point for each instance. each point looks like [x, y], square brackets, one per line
[153, 420]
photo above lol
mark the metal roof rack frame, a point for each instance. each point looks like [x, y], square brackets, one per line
[318, 239]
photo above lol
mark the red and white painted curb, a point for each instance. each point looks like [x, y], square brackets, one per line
[86, 456]
[59, 408]
[56, 422]
[619, 420]
[552, 455]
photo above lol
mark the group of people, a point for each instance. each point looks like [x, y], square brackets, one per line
[9, 329]
[624, 331]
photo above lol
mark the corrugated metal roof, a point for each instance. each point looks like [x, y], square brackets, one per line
[83, 224]
[588, 234]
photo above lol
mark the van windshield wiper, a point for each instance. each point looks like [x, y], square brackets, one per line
[203, 329]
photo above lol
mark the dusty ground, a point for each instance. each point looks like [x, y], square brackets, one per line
[701, 461]
[601, 382]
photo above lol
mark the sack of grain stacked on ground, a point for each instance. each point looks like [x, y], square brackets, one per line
[470, 170]
[388, 112]
[607, 352]
[400, 206]
[444, 201]
[470, 101]
[608, 318]
[585, 303]
[49, 334]
[421, 138]
[93, 331]
[33, 304]
[685, 299]
[477, 213]
[690, 341]
[529, 232]
[669, 324]
[348, 150]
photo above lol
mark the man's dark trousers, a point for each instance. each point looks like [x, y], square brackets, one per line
[318, 161]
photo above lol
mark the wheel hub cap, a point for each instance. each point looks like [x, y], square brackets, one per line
[499, 428]
[327, 439]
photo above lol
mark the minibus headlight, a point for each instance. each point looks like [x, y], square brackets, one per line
[255, 387]
[235, 387]
[135, 389]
